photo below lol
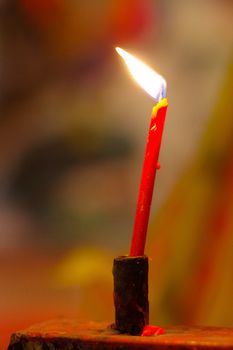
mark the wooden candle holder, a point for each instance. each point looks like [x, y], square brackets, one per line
[130, 275]
[72, 335]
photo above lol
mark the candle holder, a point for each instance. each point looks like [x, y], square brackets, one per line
[130, 275]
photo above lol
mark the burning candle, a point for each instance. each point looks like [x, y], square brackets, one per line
[155, 85]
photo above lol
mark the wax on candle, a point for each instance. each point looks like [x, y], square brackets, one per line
[155, 85]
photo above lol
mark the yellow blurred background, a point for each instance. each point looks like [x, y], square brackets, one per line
[72, 136]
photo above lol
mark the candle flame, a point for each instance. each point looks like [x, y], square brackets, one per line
[153, 83]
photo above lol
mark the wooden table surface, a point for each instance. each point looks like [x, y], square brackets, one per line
[73, 334]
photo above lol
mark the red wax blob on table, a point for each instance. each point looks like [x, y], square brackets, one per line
[152, 330]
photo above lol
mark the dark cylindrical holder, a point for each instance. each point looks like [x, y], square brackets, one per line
[130, 276]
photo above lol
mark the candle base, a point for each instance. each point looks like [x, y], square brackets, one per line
[130, 275]
[62, 334]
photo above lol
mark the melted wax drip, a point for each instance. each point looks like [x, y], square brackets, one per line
[152, 330]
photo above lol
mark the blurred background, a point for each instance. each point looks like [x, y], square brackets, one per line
[73, 130]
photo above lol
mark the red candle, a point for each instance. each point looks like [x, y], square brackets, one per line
[148, 178]
[155, 85]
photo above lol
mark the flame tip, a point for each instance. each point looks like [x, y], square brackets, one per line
[118, 49]
[152, 82]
